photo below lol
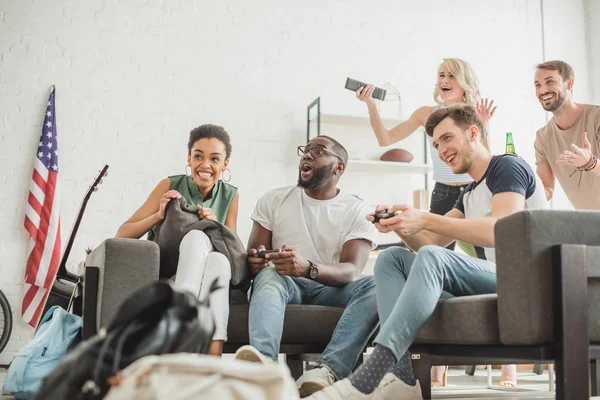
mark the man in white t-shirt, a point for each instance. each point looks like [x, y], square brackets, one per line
[325, 242]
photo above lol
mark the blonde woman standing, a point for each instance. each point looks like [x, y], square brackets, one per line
[456, 83]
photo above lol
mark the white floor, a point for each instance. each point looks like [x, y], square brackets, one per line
[462, 386]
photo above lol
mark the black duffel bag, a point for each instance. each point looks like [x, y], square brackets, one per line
[154, 320]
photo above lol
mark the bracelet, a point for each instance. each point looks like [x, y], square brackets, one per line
[591, 164]
[585, 165]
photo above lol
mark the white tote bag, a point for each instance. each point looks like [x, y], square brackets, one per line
[196, 376]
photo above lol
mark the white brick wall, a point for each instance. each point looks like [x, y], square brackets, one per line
[133, 77]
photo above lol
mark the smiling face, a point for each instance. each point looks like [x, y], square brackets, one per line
[448, 87]
[207, 160]
[551, 89]
[454, 146]
[318, 165]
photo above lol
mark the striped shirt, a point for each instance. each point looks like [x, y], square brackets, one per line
[441, 171]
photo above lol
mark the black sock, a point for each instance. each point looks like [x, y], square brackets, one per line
[403, 370]
[367, 377]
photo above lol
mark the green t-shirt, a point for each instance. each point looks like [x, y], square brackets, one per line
[219, 200]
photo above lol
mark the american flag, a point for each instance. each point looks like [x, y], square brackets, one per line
[42, 221]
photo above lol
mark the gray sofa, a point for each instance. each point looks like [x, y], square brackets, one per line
[537, 315]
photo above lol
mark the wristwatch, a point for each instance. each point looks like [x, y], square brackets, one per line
[313, 270]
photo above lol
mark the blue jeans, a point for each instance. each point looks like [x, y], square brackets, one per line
[271, 293]
[409, 286]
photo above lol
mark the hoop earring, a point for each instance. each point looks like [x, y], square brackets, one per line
[223, 173]
[186, 173]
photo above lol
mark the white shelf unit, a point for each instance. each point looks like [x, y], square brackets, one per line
[346, 128]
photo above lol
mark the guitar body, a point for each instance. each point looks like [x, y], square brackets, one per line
[61, 294]
[66, 288]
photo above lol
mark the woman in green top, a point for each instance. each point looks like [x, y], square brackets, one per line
[209, 149]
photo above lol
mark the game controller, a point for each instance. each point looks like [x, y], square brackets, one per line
[262, 253]
[383, 214]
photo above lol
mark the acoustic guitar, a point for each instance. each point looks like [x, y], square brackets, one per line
[66, 284]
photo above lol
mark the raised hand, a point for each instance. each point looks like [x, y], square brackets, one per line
[485, 110]
[164, 201]
[579, 156]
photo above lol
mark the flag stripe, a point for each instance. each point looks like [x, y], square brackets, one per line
[45, 263]
[54, 261]
[36, 205]
[41, 298]
[30, 225]
[37, 193]
[38, 180]
[28, 297]
[30, 249]
[33, 263]
[32, 302]
[42, 171]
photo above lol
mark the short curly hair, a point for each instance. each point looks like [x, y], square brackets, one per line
[209, 131]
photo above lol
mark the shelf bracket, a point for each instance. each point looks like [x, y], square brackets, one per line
[317, 103]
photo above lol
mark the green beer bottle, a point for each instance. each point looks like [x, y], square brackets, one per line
[510, 145]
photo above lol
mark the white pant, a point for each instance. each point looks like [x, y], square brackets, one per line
[197, 268]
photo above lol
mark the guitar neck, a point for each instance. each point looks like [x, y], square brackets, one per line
[62, 268]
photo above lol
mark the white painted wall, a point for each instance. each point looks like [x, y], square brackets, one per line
[133, 77]
[592, 12]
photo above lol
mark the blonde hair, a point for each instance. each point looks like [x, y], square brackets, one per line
[466, 78]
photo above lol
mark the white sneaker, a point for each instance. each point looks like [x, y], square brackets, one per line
[314, 380]
[251, 354]
[340, 390]
[392, 388]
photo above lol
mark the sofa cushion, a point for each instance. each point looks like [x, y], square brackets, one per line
[461, 320]
[303, 324]
[468, 320]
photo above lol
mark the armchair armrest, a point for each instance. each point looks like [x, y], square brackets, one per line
[524, 270]
[124, 265]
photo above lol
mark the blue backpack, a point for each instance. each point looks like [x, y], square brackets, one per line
[57, 333]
